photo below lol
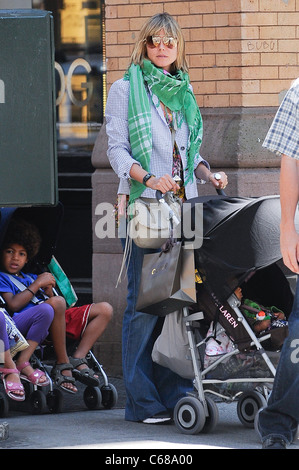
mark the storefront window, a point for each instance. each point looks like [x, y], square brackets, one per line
[80, 70]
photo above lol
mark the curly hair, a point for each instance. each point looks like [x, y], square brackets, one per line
[23, 233]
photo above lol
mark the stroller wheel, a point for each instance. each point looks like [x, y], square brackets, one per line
[213, 418]
[248, 405]
[4, 406]
[109, 396]
[92, 398]
[37, 402]
[189, 415]
[54, 401]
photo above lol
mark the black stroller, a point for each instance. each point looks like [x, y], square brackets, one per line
[240, 237]
[39, 400]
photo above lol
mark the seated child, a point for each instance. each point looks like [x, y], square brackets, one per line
[264, 319]
[21, 243]
[85, 324]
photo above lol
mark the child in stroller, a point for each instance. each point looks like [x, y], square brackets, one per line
[269, 321]
[264, 320]
[84, 323]
[21, 244]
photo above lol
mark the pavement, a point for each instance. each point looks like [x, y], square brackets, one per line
[77, 427]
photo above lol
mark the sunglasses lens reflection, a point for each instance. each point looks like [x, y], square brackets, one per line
[154, 41]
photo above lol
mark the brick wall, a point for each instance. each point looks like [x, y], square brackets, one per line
[240, 52]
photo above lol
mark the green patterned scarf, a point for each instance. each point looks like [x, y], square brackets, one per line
[175, 93]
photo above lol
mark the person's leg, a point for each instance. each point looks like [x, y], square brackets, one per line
[57, 328]
[146, 387]
[279, 420]
[4, 341]
[12, 379]
[99, 316]
[58, 336]
[34, 324]
[171, 386]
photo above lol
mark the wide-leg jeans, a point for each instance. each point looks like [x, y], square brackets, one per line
[150, 388]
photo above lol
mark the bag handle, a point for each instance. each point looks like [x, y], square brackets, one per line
[174, 221]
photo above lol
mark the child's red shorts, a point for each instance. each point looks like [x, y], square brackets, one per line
[76, 319]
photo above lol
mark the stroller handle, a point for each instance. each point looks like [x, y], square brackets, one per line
[167, 209]
[220, 192]
[159, 195]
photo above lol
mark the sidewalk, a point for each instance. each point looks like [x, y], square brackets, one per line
[79, 428]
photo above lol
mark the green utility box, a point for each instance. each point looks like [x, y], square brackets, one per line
[28, 156]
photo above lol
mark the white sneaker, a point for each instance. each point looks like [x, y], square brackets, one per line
[159, 418]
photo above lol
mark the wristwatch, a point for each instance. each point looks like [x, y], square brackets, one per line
[147, 177]
[217, 176]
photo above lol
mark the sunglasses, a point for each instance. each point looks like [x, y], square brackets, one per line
[155, 41]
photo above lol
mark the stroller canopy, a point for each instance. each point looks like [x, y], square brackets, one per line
[240, 235]
[47, 219]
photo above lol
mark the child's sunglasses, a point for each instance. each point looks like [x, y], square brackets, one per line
[155, 41]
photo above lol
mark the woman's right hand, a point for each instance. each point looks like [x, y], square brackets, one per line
[164, 183]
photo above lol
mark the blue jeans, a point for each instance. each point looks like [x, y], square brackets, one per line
[281, 416]
[150, 388]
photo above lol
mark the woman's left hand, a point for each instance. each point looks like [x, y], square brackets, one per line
[219, 179]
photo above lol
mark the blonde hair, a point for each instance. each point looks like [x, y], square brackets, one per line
[151, 28]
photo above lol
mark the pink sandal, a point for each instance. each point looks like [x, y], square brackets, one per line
[34, 377]
[12, 387]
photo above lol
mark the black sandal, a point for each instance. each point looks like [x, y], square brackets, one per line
[86, 375]
[59, 379]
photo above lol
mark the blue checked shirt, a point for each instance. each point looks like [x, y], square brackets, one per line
[119, 149]
[283, 135]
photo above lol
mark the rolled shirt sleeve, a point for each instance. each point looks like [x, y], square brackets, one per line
[283, 135]
[116, 113]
